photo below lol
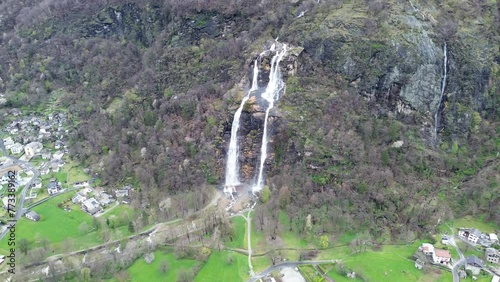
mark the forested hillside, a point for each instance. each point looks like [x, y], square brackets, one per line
[152, 87]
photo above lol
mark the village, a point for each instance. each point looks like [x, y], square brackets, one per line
[39, 143]
[481, 255]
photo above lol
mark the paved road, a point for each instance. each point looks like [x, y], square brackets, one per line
[458, 263]
[20, 210]
[284, 265]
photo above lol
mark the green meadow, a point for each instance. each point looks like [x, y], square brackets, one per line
[217, 269]
[55, 225]
[239, 239]
[140, 270]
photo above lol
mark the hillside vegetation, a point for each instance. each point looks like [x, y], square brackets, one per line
[149, 85]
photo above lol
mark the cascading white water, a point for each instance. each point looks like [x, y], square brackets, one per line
[232, 167]
[443, 86]
[271, 94]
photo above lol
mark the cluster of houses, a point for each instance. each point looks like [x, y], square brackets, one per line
[33, 128]
[476, 237]
[429, 254]
[92, 201]
[29, 135]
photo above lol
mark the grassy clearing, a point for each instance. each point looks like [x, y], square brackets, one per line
[121, 211]
[240, 234]
[259, 264]
[64, 231]
[75, 172]
[332, 272]
[478, 223]
[217, 269]
[56, 225]
[436, 275]
[468, 250]
[393, 263]
[335, 253]
[141, 271]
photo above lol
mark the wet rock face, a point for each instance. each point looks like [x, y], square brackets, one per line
[422, 89]
[401, 72]
[251, 127]
[250, 142]
[128, 21]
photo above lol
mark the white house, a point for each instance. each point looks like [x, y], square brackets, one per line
[33, 148]
[91, 206]
[437, 255]
[442, 256]
[32, 215]
[493, 237]
[46, 154]
[37, 183]
[470, 234]
[445, 240]
[492, 255]
[44, 171]
[78, 198]
[58, 155]
[8, 142]
[16, 148]
[53, 187]
[427, 249]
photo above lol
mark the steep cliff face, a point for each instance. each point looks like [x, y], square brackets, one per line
[253, 115]
[397, 60]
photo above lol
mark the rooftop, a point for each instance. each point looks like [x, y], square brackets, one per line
[443, 253]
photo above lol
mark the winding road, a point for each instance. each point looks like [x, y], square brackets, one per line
[19, 206]
[460, 262]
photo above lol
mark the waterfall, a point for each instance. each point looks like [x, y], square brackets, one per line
[271, 94]
[232, 167]
[443, 86]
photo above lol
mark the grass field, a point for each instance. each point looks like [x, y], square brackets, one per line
[217, 270]
[75, 172]
[478, 223]
[341, 252]
[259, 264]
[468, 250]
[393, 263]
[61, 228]
[141, 271]
[240, 234]
[56, 225]
[390, 264]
